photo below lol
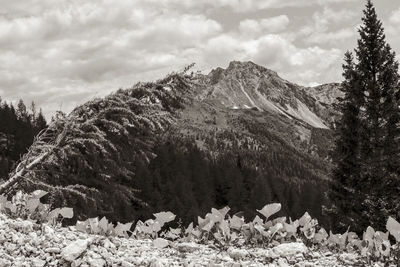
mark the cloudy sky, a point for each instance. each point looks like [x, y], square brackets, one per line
[60, 53]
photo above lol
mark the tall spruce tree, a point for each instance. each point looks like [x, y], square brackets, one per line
[367, 147]
[347, 150]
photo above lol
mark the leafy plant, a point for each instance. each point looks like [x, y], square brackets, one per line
[28, 206]
[219, 228]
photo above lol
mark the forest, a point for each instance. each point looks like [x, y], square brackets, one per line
[19, 125]
[188, 181]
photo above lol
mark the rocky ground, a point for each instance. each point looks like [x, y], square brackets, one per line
[23, 243]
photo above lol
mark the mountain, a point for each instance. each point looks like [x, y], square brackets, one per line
[300, 115]
[240, 136]
[247, 85]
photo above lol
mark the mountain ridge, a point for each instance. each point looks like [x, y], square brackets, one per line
[185, 149]
[248, 85]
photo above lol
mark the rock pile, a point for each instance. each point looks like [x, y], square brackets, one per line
[24, 243]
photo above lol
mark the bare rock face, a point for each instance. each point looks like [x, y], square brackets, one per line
[245, 85]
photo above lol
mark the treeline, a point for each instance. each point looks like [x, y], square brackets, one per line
[185, 180]
[18, 127]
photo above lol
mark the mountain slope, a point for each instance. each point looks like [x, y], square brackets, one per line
[247, 85]
[241, 137]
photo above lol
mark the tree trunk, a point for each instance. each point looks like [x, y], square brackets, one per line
[19, 174]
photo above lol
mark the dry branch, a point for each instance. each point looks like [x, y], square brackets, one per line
[21, 171]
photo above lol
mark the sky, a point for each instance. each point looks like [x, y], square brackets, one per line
[61, 53]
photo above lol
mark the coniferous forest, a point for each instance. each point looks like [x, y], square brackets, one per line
[188, 181]
[18, 127]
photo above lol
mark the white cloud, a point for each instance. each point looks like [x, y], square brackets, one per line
[332, 37]
[95, 47]
[395, 17]
[330, 26]
[302, 65]
[266, 25]
[244, 5]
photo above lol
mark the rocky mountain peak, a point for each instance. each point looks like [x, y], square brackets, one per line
[245, 68]
[246, 85]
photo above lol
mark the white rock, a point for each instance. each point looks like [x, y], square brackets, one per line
[29, 248]
[187, 247]
[289, 249]
[23, 226]
[4, 262]
[237, 254]
[283, 263]
[160, 243]
[75, 249]
[108, 244]
[96, 262]
[156, 263]
[348, 258]
[53, 250]
[47, 230]
[126, 264]
[38, 262]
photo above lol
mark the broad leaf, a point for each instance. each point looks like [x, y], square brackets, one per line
[394, 228]
[215, 215]
[67, 213]
[38, 194]
[236, 222]
[122, 228]
[224, 226]
[208, 226]
[384, 248]
[103, 225]
[321, 236]
[270, 209]
[32, 204]
[53, 214]
[224, 211]
[3, 200]
[10, 206]
[189, 229]
[82, 226]
[94, 225]
[257, 220]
[164, 217]
[306, 218]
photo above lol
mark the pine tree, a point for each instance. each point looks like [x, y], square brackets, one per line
[40, 122]
[22, 112]
[347, 156]
[367, 148]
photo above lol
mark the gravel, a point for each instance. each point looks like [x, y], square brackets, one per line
[24, 243]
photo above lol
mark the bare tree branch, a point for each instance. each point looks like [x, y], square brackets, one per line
[21, 172]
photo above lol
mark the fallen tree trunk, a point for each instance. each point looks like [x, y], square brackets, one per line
[20, 172]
